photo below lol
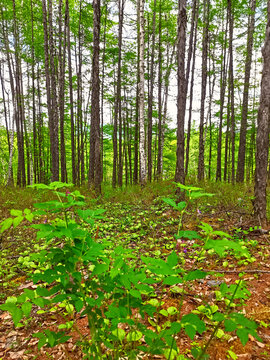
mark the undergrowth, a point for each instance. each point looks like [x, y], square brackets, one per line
[82, 269]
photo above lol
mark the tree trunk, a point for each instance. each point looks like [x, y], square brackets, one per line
[73, 151]
[203, 88]
[243, 129]
[159, 154]
[62, 66]
[150, 98]
[51, 89]
[231, 78]
[143, 174]
[94, 178]
[181, 96]
[223, 83]
[191, 87]
[262, 141]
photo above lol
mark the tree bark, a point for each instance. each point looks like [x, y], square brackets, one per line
[240, 175]
[262, 141]
[150, 98]
[203, 88]
[94, 178]
[143, 174]
[181, 96]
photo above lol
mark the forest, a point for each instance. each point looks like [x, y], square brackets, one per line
[134, 141]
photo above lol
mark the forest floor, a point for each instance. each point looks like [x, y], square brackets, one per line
[141, 221]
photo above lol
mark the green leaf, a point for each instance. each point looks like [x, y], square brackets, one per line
[187, 234]
[78, 305]
[196, 274]
[17, 221]
[134, 335]
[42, 291]
[196, 195]
[17, 315]
[243, 335]
[100, 269]
[172, 259]
[192, 324]
[58, 185]
[135, 293]
[15, 212]
[29, 217]
[172, 310]
[170, 202]
[230, 325]
[164, 312]
[232, 355]
[6, 224]
[119, 333]
[26, 308]
[170, 353]
[181, 205]
[176, 327]
[39, 186]
[172, 280]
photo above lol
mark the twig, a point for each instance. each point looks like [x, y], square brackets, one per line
[238, 271]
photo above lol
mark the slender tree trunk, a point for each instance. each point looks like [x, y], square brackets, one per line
[62, 66]
[94, 178]
[143, 174]
[203, 88]
[181, 96]
[102, 88]
[231, 77]
[159, 154]
[51, 88]
[72, 132]
[35, 155]
[223, 82]
[21, 179]
[191, 91]
[150, 98]
[243, 129]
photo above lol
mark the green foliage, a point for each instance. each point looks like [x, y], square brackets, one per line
[82, 274]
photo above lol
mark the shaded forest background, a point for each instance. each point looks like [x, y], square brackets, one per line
[125, 92]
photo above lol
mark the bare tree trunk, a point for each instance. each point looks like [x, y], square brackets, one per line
[150, 98]
[51, 88]
[62, 66]
[143, 174]
[243, 129]
[181, 96]
[203, 88]
[159, 154]
[73, 158]
[94, 178]
[191, 86]
[223, 82]
[232, 122]
[262, 143]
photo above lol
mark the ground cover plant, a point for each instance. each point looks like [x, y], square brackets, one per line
[153, 278]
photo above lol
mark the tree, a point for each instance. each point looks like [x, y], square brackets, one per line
[262, 141]
[95, 174]
[243, 130]
[143, 173]
[181, 96]
[206, 5]
[51, 88]
[150, 97]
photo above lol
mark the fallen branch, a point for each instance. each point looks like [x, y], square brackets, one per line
[239, 271]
